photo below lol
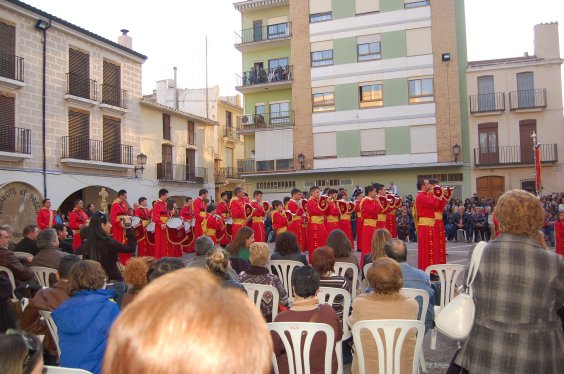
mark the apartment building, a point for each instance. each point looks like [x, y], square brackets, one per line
[349, 92]
[510, 100]
[69, 113]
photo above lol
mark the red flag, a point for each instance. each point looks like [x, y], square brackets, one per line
[538, 168]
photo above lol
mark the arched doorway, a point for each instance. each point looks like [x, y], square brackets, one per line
[102, 198]
[490, 186]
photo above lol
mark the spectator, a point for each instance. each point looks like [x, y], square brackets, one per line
[238, 249]
[218, 263]
[203, 246]
[163, 266]
[559, 234]
[184, 323]
[287, 248]
[461, 221]
[7, 315]
[412, 277]
[49, 255]
[28, 243]
[18, 266]
[20, 352]
[381, 236]
[402, 223]
[10, 230]
[62, 235]
[83, 238]
[479, 224]
[357, 191]
[384, 302]
[90, 209]
[84, 320]
[306, 308]
[341, 245]
[393, 188]
[258, 273]
[135, 277]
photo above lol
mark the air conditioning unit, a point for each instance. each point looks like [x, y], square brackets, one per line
[248, 119]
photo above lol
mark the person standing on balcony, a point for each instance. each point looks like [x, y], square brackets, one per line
[237, 209]
[118, 212]
[77, 220]
[160, 217]
[258, 217]
[46, 216]
[199, 207]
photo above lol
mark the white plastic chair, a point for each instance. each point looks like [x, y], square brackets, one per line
[413, 293]
[256, 293]
[10, 275]
[342, 267]
[298, 331]
[42, 274]
[448, 275]
[284, 269]
[389, 350]
[326, 295]
[461, 233]
[23, 254]
[52, 328]
[365, 269]
[61, 370]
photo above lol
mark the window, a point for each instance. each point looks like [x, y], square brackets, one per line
[372, 142]
[367, 6]
[7, 123]
[166, 127]
[454, 177]
[324, 101]
[324, 145]
[273, 64]
[276, 185]
[279, 30]
[320, 17]
[415, 3]
[191, 133]
[371, 95]
[369, 51]
[79, 132]
[328, 183]
[228, 120]
[322, 58]
[111, 89]
[418, 41]
[8, 67]
[423, 139]
[280, 114]
[165, 168]
[421, 90]
[111, 133]
[79, 74]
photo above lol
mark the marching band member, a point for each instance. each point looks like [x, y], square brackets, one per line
[439, 243]
[359, 221]
[345, 209]
[187, 215]
[258, 217]
[118, 212]
[297, 211]
[316, 231]
[237, 209]
[143, 246]
[212, 223]
[199, 207]
[373, 208]
[77, 220]
[279, 218]
[223, 210]
[160, 217]
[332, 211]
[425, 206]
[391, 224]
[46, 216]
[174, 248]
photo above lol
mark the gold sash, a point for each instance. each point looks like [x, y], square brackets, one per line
[332, 219]
[425, 221]
[317, 219]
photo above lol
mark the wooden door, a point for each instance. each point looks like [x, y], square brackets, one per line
[486, 95]
[79, 74]
[112, 140]
[79, 132]
[488, 144]
[7, 123]
[190, 164]
[7, 50]
[257, 31]
[111, 92]
[490, 186]
[526, 90]
[526, 129]
[166, 165]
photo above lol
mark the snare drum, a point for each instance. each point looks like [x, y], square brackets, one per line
[135, 221]
[174, 223]
[187, 226]
[137, 228]
[151, 227]
[229, 226]
[175, 231]
[150, 232]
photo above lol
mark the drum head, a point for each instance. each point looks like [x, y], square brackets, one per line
[229, 221]
[135, 221]
[174, 223]
[151, 227]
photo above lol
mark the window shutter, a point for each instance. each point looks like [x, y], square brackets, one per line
[112, 140]
[79, 131]
[79, 74]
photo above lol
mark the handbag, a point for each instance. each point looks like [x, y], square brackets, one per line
[456, 319]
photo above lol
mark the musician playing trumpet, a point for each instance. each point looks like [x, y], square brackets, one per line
[332, 212]
[258, 216]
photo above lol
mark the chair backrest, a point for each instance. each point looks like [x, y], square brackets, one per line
[388, 348]
[42, 274]
[365, 269]
[52, 328]
[23, 254]
[342, 267]
[291, 335]
[284, 269]
[256, 293]
[10, 275]
[326, 295]
[448, 275]
[61, 370]
[414, 293]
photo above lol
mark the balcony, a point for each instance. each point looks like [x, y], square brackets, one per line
[262, 80]
[231, 133]
[490, 103]
[11, 70]
[222, 175]
[81, 90]
[250, 123]
[514, 155]
[167, 172]
[250, 166]
[15, 143]
[255, 38]
[527, 100]
[114, 99]
[96, 154]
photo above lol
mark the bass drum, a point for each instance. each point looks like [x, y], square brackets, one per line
[151, 233]
[175, 232]
[138, 228]
[229, 226]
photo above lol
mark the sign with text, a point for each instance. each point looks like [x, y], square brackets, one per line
[19, 204]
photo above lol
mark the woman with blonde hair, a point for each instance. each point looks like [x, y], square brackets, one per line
[380, 237]
[183, 322]
[217, 262]
[517, 291]
[135, 276]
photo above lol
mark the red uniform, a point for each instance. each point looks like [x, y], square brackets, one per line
[374, 217]
[316, 231]
[359, 224]
[439, 250]
[77, 219]
[213, 224]
[160, 217]
[187, 215]
[559, 237]
[425, 205]
[331, 217]
[296, 225]
[200, 213]
[223, 211]
[237, 209]
[117, 212]
[279, 222]
[45, 218]
[143, 246]
[345, 220]
[258, 221]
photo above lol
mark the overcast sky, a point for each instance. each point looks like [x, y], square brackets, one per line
[172, 33]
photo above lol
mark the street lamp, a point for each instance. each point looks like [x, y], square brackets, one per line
[301, 160]
[456, 151]
[141, 161]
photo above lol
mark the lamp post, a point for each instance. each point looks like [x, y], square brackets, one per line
[141, 161]
[456, 151]
[301, 160]
[42, 25]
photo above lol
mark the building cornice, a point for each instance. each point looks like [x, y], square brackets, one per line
[510, 64]
[173, 111]
[259, 4]
[227, 103]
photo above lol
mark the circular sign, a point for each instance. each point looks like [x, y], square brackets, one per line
[19, 204]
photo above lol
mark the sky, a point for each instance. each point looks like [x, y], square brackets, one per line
[173, 33]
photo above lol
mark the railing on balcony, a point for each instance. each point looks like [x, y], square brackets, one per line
[97, 150]
[15, 140]
[265, 120]
[181, 173]
[514, 155]
[11, 66]
[82, 87]
[114, 96]
[262, 33]
[263, 76]
[227, 173]
[527, 99]
[252, 166]
[490, 102]
[231, 133]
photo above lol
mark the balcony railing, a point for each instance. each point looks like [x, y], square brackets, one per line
[514, 155]
[97, 150]
[82, 87]
[491, 102]
[11, 66]
[181, 173]
[527, 99]
[272, 76]
[265, 120]
[15, 140]
[114, 96]
[231, 133]
[252, 166]
[227, 173]
[259, 34]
